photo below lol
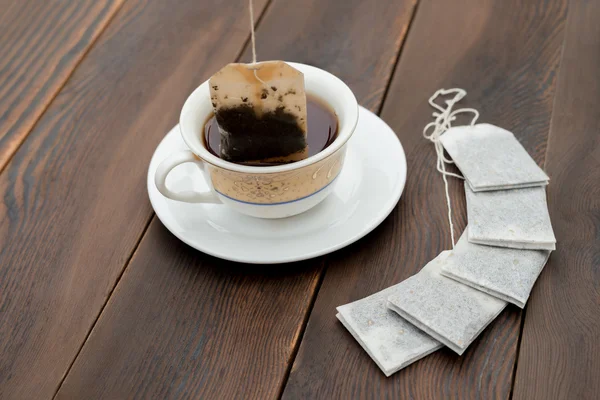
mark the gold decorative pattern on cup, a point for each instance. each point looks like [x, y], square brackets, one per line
[278, 187]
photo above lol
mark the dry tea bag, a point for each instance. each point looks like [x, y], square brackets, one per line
[392, 342]
[491, 158]
[515, 218]
[261, 112]
[508, 274]
[453, 313]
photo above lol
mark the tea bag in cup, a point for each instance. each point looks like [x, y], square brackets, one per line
[261, 112]
[491, 158]
[390, 341]
[453, 313]
[508, 274]
[515, 218]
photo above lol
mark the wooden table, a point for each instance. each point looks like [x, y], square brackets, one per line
[99, 300]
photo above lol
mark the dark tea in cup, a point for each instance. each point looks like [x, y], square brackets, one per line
[322, 126]
[276, 191]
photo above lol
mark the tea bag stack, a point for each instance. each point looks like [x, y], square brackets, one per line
[508, 274]
[497, 260]
[506, 199]
[491, 158]
[392, 342]
[450, 312]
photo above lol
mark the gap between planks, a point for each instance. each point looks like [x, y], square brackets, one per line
[61, 85]
[524, 312]
[152, 216]
[403, 38]
[127, 262]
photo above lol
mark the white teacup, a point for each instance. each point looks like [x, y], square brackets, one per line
[264, 192]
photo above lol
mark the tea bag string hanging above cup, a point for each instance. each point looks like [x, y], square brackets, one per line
[443, 121]
[253, 39]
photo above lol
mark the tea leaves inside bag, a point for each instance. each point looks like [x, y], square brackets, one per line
[392, 342]
[491, 158]
[261, 112]
[453, 313]
[508, 274]
[516, 218]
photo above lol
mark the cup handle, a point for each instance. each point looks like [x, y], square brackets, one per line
[188, 196]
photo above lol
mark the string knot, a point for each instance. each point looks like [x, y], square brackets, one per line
[433, 132]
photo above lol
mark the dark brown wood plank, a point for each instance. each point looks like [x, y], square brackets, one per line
[505, 54]
[74, 202]
[358, 41]
[184, 325]
[41, 44]
[559, 356]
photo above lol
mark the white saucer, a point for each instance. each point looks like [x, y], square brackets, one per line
[367, 190]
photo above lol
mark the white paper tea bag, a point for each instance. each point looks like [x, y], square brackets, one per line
[392, 342]
[261, 112]
[515, 218]
[491, 158]
[453, 313]
[508, 274]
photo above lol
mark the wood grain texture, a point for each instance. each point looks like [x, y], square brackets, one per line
[74, 201]
[505, 54]
[41, 44]
[181, 324]
[185, 325]
[356, 40]
[560, 349]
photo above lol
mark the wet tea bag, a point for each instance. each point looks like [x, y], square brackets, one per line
[491, 158]
[390, 341]
[516, 218]
[453, 313]
[508, 274]
[261, 112]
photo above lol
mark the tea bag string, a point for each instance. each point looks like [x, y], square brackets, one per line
[253, 38]
[443, 121]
